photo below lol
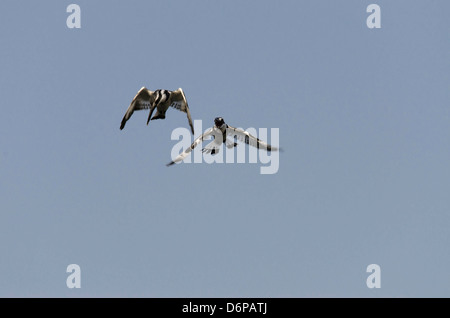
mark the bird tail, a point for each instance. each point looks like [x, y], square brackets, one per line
[157, 116]
[230, 144]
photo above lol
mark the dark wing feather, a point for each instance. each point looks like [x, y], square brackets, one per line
[179, 102]
[142, 100]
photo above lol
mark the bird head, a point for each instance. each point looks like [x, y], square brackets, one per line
[218, 121]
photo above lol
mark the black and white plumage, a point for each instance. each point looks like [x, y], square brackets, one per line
[220, 131]
[160, 100]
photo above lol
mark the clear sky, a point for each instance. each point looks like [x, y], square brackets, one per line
[363, 117]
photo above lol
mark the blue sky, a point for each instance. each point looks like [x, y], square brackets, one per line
[363, 116]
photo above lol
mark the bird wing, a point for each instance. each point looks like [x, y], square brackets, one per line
[249, 139]
[142, 100]
[185, 153]
[179, 102]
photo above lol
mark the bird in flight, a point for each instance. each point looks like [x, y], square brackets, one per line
[160, 99]
[220, 131]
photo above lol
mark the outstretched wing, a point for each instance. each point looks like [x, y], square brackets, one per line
[249, 139]
[185, 153]
[142, 100]
[179, 102]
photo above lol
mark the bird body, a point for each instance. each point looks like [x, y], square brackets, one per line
[160, 100]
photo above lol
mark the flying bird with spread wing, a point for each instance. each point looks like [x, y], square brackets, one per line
[160, 100]
[220, 131]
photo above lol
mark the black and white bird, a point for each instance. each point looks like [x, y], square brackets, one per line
[160, 100]
[220, 131]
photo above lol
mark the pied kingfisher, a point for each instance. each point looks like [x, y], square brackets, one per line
[160, 99]
[220, 131]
